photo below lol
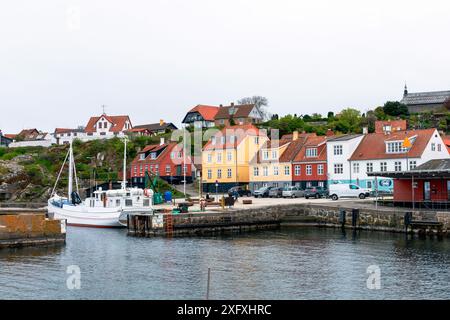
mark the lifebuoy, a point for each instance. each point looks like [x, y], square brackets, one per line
[147, 192]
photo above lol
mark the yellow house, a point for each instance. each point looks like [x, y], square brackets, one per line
[226, 157]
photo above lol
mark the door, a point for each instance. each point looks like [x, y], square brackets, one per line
[179, 174]
[426, 190]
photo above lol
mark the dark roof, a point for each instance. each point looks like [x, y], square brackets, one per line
[239, 111]
[436, 164]
[435, 97]
[157, 126]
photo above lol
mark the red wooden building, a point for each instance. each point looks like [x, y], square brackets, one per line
[426, 186]
[164, 160]
[309, 167]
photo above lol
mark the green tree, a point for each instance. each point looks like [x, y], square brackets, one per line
[348, 121]
[395, 109]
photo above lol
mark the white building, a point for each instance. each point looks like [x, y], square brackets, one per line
[106, 126]
[381, 152]
[339, 150]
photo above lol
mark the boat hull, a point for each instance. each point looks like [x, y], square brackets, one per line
[82, 216]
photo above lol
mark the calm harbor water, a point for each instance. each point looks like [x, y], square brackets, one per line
[283, 264]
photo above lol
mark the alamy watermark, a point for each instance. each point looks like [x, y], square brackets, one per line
[374, 279]
[73, 281]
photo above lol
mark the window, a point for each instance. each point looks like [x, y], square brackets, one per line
[222, 140]
[337, 150]
[209, 174]
[153, 155]
[397, 166]
[356, 168]
[219, 157]
[439, 148]
[369, 184]
[412, 164]
[256, 171]
[157, 169]
[229, 156]
[185, 169]
[256, 140]
[140, 168]
[311, 152]
[142, 156]
[265, 155]
[308, 170]
[369, 167]
[209, 157]
[396, 147]
[338, 168]
[265, 171]
[99, 125]
[320, 169]
[274, 155]
[180, 155]
[383, 166]
[219, 173]
[433, 147]
[275, 171]
[232, 139]
[321, 184]
[168, 169]
[213, 140]
[297, 170]
[229, 173]
[309, 184]
[287, 170]
[172, 155]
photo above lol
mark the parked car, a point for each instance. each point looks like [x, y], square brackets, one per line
[276, 192]
[345, 190]
[316, 192]
[241, 191]
[293, 192]
[262, 192]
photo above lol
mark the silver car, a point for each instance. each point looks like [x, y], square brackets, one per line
[293, 192]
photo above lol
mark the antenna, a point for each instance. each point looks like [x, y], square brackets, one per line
[103, 107]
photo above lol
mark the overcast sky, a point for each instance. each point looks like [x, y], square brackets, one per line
[156, 59]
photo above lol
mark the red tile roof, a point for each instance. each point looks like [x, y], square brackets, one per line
[318, 142]
[373, 146]
[117, 121]
[241, 131]
[10, 136]
[207, 112]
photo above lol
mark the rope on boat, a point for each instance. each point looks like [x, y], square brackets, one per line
[59, 175]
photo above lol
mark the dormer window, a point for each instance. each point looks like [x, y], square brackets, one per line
[142, 156]
[99, 125]
[311, 152]
[213, 140]
[395, 147]
[153, 155]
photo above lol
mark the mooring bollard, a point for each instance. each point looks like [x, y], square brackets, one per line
[407, 220]
[342, 217]
[355, 217]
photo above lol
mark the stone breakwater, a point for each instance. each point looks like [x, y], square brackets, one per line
[19, 230]
[285, 215]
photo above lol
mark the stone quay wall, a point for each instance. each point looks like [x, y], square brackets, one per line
[18, 230]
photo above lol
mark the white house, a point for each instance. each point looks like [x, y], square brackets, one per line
[385, 151]
[339, 150]
[106, 126]
[64, 136]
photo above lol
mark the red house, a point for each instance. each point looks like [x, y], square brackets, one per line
[164, 160]
[426, 186]
[309, 167]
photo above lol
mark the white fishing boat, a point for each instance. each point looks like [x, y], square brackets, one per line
[105, 209]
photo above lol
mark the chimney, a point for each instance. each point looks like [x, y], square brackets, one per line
[365, 130]
[161, 122]
[162, 142]
[221, 105]
[329, 133]
[232, 104]
[295, 136]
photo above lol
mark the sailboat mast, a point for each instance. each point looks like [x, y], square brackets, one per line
[70, 172]
[124, 180]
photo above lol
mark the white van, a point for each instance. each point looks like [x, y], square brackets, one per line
[347, 190]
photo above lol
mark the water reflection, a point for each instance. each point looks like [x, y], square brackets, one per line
[282, 264]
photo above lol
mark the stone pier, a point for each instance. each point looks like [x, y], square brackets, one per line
[27, 229]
